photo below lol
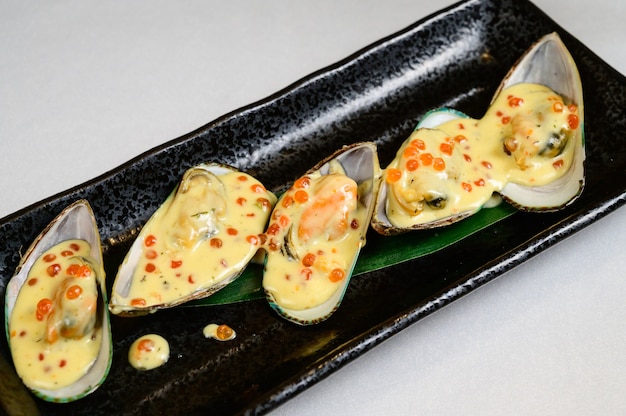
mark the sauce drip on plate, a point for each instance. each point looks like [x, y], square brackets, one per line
[149, 352]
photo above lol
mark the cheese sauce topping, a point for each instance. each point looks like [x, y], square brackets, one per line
[149, 352]
[523, 138]
[53, 334]
[198, 238]
[313, 236]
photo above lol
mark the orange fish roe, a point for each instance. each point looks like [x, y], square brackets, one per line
[301, 196]
[426, 159]
[393, 175]
[412, 164]
[439, 164]
[337, 275]
[419, 143]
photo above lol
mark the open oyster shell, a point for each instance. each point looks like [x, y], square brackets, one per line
[549, 63]
[529, 141]
[199, 240]
[75, 223]
[316, 232]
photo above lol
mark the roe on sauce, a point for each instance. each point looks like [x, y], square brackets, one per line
[312, 240]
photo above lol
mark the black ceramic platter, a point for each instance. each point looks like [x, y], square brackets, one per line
[474, 44]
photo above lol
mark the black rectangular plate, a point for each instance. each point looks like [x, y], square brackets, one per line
[377, 94]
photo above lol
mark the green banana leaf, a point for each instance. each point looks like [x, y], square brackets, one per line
[396, 249]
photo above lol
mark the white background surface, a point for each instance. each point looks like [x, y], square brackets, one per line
[87, 85]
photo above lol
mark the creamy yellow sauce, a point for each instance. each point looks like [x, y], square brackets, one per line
[314, 235]
[197, 239]
[149, 352]
[526, 137]
[53, 337]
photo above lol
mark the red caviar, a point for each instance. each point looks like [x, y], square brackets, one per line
[426, 159]
[336, 275]
[44, 305]
[73, 292]
[393, 175]
[301, 196]
[419, 143]
[78, 270]
[53, 269]
[49, 257]
[283, 221]
[446, 148]
[439, 164]
[43, 308]
[412, 164]
[308, 260]
[146, 345]
[515, 101]
[306, 273]
[302, 182]
[150, 240]
[273, 229]
[224, 332]
[138, 302]
[287, 201]
[410, 151]
[264, 203]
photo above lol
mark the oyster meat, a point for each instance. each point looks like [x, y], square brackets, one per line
[198, 241]
[57, 320]
[316, 232]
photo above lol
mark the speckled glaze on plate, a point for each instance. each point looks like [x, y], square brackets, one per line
[475, 44]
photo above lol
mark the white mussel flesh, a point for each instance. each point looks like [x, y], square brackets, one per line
[57, 320]
[316, 232]
[528, 148]
[199, 240]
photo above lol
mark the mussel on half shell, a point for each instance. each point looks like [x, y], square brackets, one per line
[528, 149]
[57, 321]
[316, 232]
[199, 240]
